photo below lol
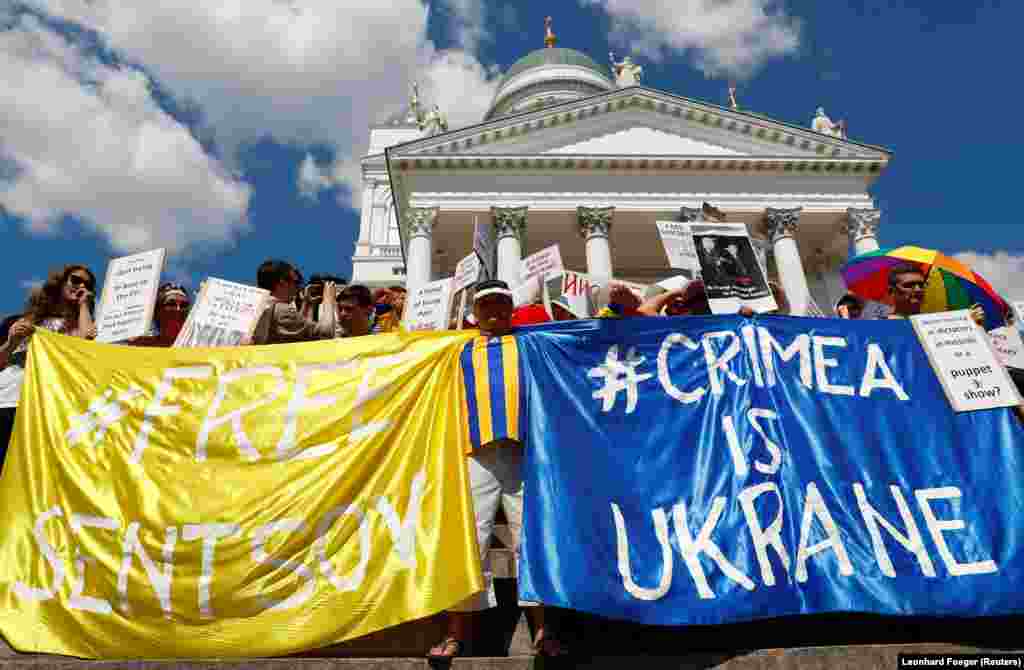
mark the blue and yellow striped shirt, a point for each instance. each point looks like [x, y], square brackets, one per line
[490, 371]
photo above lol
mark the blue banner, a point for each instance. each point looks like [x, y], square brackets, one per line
[718, 469]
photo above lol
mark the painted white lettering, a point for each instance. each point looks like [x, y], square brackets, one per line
[739, 458]
[259, 555]
[937, 526]
[716, 362]
[691, 550]
[78, 601]
[622, 547]
[750, 340]
[822, 363]
[157, 409]
[234, 418]
[354, 579]
[685, 397]
[210, 532]
[403, 533]
[765, 537]
[801, 345]
[367, 392]
[754, 415]
[159, 576]
[103, 412]
[814, 508]
[299, 402]
[875, 364]
[912, 541]
[23, 590]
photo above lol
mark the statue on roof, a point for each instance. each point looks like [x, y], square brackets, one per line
[823, 124]
[627, 73]
[415, 115]
[549, 35]
[434, 123]
[733, 105]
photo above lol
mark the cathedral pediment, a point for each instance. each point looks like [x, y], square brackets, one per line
[633, 122]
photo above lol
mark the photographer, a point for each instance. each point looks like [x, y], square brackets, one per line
[282, 322]
[311, 297]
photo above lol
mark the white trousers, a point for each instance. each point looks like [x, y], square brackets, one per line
[495, 478]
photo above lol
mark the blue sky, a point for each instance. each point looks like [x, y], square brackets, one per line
[169, 127]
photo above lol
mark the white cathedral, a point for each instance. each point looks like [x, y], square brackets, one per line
[582, 155]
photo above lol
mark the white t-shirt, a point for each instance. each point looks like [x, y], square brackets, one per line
[12, 377]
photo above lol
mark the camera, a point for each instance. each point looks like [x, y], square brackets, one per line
[315, 292]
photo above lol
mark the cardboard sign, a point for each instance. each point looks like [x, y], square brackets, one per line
[467, 272]
[1008, 345]
[964, 361]
[677, 240]
[733, 276]
[224, 315]
[485, 247]
[129, 296]
[542, 263]
[427, 308]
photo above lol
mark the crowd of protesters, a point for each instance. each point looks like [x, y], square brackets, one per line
[327, 307]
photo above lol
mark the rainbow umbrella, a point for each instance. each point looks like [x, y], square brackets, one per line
[951, 285]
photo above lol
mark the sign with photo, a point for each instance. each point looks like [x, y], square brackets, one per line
[1009, 348]
[224, 315]
[733, 277]
[677, 239]
[461, 308]
[427, 307]
[1018, 312]
[964, 361]
[542, 263]
[126, 307]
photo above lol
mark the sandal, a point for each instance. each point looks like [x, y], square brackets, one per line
[549, 645]
[447, 649]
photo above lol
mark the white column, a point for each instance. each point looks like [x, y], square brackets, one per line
[595, 224]
[418, 230]
[781, 226]
[509, 234]
[862, 227]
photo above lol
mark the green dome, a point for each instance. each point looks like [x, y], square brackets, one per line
[554, 56]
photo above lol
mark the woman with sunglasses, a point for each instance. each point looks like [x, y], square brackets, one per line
[63, 304]
[172, 305]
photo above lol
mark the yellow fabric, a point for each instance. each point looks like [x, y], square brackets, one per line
[311, 510]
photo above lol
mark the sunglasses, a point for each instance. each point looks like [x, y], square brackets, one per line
[77, 281]
[911, 286]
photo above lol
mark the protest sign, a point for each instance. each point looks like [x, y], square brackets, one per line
[225, 313]
[527, 292]
[1009, 348]
[427, 307]
[1018, 309]
[467, 272]
[461, 307]
[542, 263]
[574, 291]
[485, 247]
[733, 277]
[169, 493]
[964, 362]
[129, 296]
[677, 239]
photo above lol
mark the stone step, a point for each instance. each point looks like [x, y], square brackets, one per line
[869, 657]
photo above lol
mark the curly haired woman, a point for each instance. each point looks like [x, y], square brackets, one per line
[63, 304]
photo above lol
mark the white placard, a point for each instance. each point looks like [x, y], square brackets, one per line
[576, 291]
[964, 361]
[224, 315]
[428, 307]
[129, 296]
[1009, 347]
[485, 247]
[467, 272]
[542, 263]
[677, 240]
[527, 292]
[733, 276]
[1018, 310]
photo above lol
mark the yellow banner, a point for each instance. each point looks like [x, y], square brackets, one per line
[233, 502]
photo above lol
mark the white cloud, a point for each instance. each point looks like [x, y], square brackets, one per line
[1003, 270]
[312, 179]
[88, 139]
[725, 37]
[305, 72]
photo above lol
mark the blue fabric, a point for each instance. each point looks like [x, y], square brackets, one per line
[671, 458]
